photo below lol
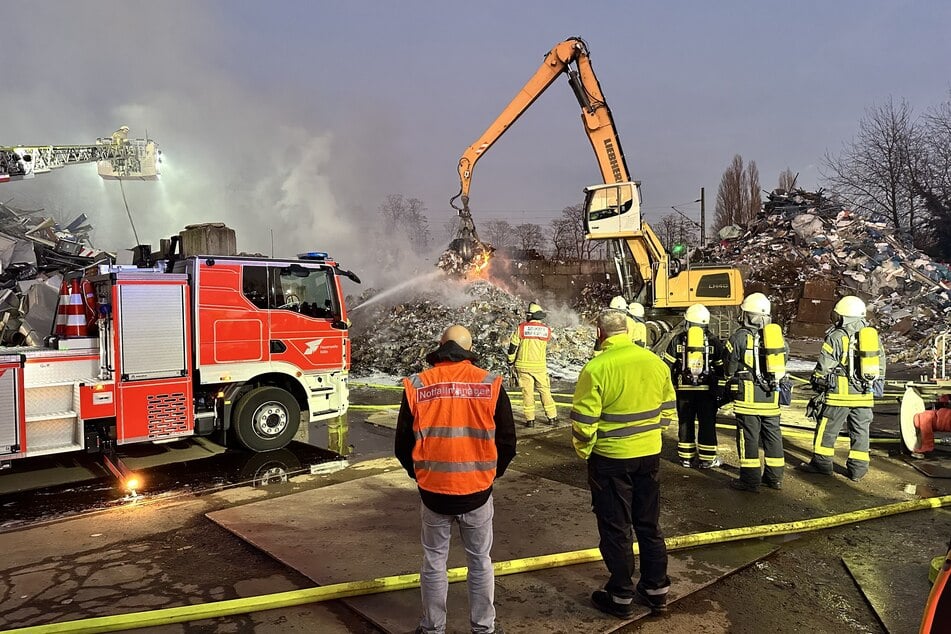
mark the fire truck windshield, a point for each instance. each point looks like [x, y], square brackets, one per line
[296, 288]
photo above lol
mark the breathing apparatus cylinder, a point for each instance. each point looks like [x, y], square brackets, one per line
[694, 353]
[870, 364]
[775, 349]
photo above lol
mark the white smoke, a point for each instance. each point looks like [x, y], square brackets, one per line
[283, 178]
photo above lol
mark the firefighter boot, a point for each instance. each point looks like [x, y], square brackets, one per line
[530, 423]
[607, 603]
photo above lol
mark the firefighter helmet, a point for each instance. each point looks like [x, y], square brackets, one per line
[698, 314]
[618, 303]
[535, 311]
[756, 304]
[636, 309]
[850, 306]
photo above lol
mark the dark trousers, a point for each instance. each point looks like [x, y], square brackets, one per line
[859, 419]
[625, 498]
[752, 433]
[696, 424]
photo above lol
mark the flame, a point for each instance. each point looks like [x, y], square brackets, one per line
[479, 266]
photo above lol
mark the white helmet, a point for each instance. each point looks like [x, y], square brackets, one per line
[698, 314]
[636, 309]
[850, 306]
[618, 303]
[756, 304]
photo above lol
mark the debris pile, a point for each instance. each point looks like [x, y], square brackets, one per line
[395, 339]
[807, 236]
[35, 253]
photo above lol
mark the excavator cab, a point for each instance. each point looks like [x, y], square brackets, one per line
[612, 210]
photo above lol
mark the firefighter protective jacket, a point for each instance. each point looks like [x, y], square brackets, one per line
[622, 402]
[529, 345]
[838, 368]
[455, 433]
[756, 391]
[714, 365]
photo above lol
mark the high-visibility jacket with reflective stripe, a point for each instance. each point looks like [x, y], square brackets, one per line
[622, 402]
[528, 345]
[453, 406]
[833, 366]
[756, 393]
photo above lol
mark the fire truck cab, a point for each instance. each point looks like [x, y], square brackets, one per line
[203, 344]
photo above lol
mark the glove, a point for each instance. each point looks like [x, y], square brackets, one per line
[819, 384]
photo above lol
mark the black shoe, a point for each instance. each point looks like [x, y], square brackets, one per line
[656, 602]
[530, 423]
[778, 485]
[808, 467]
[603, 601]
[854, 478]
[553, 421]
[710, 464]
[739, 485]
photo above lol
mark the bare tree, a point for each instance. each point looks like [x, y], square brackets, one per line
[528, 236]
[406, 216]
[560, 234]
[738, 198]
[787, 180]
[675, 228]
[567, 236]
[667, 230]
[875, 170]
[499, 233]
[754, 201]
[932, 182]
[449, 229]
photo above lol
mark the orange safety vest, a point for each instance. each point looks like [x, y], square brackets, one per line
[453, 406]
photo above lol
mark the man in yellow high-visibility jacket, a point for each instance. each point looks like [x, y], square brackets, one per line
[623, 400]
[528, 350]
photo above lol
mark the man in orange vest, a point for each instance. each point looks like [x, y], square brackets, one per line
[455, 435]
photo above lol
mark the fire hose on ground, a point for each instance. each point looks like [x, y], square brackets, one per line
[344, 590]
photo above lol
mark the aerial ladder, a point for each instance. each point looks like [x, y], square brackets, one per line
[118, 158]
[647, 273]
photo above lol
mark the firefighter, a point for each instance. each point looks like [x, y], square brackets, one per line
[850, 371]
[695, 357]
[455, 437]
[756, 399]
[527, 350]
[635, 321]
[623, 401]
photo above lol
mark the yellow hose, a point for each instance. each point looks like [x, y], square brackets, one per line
[230, 607]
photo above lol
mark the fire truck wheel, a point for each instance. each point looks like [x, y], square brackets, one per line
[266, 418]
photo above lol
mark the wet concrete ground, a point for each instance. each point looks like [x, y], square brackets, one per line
[161, 551]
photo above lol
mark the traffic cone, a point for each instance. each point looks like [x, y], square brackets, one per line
[70, 313]
[61, 316]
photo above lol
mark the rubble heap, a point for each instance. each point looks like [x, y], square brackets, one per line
[394, 340]
[35, 253]
[802, 236]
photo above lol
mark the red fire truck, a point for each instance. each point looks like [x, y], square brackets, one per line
[187, 347]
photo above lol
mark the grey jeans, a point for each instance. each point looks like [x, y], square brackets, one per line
[475, 528]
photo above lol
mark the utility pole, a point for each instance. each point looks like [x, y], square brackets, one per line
[703, 221]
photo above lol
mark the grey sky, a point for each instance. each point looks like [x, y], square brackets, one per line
[300, 117]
